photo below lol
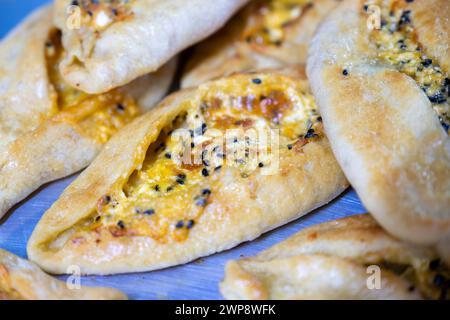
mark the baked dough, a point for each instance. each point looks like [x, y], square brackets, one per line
[265, 34]
[49, 130]
[23, 280]
[151, 201]
[118, 41]
[383, 94]
[335, 260]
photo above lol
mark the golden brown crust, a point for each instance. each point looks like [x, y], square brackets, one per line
[23, 280]
[244, 207]
[35, 148]
[330, 261]
[382, 129]
[432, 21]
[227, 51]
[154, 32]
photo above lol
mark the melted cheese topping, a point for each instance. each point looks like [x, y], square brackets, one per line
[100, 14]
[267, 24]
[166, 196]
[98, 116]
[397, 45]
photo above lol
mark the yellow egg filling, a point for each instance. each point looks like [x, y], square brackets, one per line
[166, 196]
[267, 24]
[98, 116]
[396, 44]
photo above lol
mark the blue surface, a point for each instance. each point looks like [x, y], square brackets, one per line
[196, 280]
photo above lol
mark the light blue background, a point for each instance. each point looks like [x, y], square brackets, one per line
[196, 280]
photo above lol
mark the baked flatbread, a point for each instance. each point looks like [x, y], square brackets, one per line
[265, 34]
[384, 96]
[339, 260]
[200, 173]
[23, 280]
[118, 41]
[49, 130]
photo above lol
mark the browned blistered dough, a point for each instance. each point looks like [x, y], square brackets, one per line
[38, 142]
[120, 42]
[337, 260]
[241, 44]
[384, 130]
[239, 208]
[23, 280]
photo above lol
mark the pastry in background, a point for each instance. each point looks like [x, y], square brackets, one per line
[48, 129]
[110, 43]
[209, 168]
[383, 89]
[23, 280]
[341, 259]
[264, 34]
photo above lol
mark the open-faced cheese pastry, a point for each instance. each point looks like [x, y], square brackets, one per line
[48, 129]
[380, 73]
[207, 169]
[265, 34]
[111, 43]
[23, 280]
[350, 258]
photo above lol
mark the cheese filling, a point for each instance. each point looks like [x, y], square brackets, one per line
[267, 26]
[430, 278]
[166, 196]
[98, 116]
[100, 14]
[397, 45]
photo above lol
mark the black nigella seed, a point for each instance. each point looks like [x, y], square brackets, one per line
[366, 7]
[180, 224]
[439, 280]
[157, 187]
[437, 98]
[107, 199]
[114, 11]
[256, 81]
[169, 189]
[427, 62]
[190, 224]
[289, 146]
[120, 107]
[409, 1]
[310, 134]
[191, 133]
[345, 72]
[168, 156]
[205, 172]
[206, 192]
[149, 211]
[75, 3]
[121, 224]
[260, 164]
[217, 168]
[405, 17]
[180, 181]
[192, 145]
[434, 264]
[319, 119]
[201, 202]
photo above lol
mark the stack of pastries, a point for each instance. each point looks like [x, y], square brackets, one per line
[317, 94]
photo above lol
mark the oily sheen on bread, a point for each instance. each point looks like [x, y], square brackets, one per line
[23, 280]
[49, 130]
[138, 207]
[338, 260]
[264, 34]
[111, 43]
[384, 96]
